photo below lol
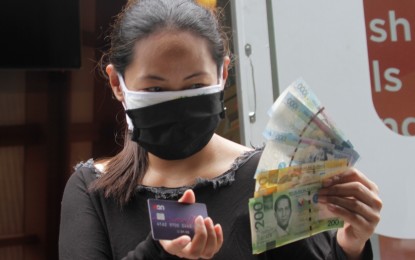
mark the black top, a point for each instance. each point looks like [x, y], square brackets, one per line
[93, 227]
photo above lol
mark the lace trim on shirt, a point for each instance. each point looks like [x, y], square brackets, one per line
[225, 179]
[88, 164]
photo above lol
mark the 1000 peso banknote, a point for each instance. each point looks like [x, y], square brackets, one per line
[303, 92]
[300, 98]
[288, 216]
[296, 134]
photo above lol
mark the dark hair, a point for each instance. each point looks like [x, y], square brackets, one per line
[138, 20]
[141, 18]
[281, 198]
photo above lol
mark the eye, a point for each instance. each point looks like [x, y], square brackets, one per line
[153, 89]
[195, 86]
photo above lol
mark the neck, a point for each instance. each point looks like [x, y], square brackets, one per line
[176, 173]
[214, 159]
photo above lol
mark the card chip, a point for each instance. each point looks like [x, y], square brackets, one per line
[160, 216]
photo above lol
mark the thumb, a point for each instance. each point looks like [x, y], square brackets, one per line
[175, 247]
[188, 197]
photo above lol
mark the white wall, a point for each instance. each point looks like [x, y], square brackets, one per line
[324, 41]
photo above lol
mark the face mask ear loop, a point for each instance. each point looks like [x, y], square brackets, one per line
[222, 94]
[221, 76]
[223, 113]
[125, 93]
[123, 88]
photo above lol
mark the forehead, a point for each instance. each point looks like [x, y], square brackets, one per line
[172, 49]
[172, 42]
[283, 202]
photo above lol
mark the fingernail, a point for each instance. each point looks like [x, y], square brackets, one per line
[218, 227]
[185, 240]
[322, 199]
[331, 207]
[327, 182]
[209, 222]
[199, 221]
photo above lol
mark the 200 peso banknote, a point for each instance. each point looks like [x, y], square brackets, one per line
[287, 216]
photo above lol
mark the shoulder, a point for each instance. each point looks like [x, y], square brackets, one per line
[241, 174]
[247, 162]
[88, 166]
[84, 174]
[77, 195]
[234, 154]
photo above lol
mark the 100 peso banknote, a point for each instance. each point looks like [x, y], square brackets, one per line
[287, 149]
[287, 216]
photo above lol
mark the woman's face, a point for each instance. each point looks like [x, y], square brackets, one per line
[170, 61]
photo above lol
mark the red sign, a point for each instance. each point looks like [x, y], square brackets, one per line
[390, 29]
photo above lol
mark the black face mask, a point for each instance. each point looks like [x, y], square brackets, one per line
[178, 128]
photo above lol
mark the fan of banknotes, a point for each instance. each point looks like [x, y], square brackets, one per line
[303, 148]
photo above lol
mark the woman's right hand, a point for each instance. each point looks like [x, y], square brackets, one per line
[207, 241]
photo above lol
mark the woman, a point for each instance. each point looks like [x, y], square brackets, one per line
[167, 65]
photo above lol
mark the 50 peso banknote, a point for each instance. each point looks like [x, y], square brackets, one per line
[268, 182]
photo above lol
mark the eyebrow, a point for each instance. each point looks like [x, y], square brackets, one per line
[155, 77]
[195, 75]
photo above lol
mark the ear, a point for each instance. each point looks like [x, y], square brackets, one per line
[114, 82]
[226, 62]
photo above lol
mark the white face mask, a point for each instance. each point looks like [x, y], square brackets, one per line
[139, 99]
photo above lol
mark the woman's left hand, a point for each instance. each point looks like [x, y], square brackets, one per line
[354, 198]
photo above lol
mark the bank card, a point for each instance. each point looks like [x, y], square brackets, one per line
[170, 219]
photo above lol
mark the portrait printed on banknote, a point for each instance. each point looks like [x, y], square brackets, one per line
[282, 212]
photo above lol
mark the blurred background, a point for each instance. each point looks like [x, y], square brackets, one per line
[56, 110]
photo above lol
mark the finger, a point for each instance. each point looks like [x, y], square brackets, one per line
[219, 237]
[354, 207]
[188, 197]
[351, 175]
[355, 190]
[211, 242]
[176, 246]
[359, 222]
[196, 247]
